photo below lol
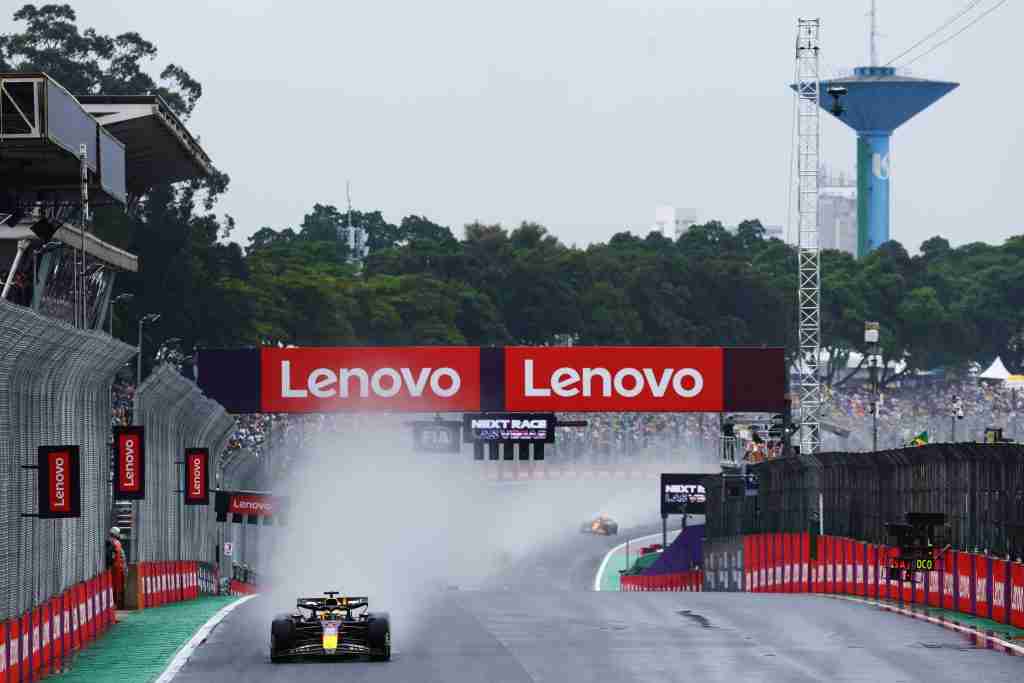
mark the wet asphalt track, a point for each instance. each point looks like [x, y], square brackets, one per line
[539, 622]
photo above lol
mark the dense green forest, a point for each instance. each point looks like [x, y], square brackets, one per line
[425, 283]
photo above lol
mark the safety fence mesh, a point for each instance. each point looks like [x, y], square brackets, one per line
[176, 415]
[55, 383]
[979, 487]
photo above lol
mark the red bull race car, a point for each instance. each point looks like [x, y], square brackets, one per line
[331, 626]
[602, 525]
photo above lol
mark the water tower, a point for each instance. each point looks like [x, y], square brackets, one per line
[874, 102]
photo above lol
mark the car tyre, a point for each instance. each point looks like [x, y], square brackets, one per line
[378, 636]
[282, 631]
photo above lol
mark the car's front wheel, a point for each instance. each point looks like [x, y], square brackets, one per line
[282, 631]
[379, 637]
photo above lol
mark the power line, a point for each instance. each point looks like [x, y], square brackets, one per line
[939, 44]
[946, 24]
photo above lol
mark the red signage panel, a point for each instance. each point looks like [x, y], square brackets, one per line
[60, 489]
[130, 463]
[610, 378]
[253, 504]
[197, 476]
[381, 379]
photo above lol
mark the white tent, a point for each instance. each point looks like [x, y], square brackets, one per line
[996, 371]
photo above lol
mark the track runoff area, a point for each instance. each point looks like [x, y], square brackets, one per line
[541, 619]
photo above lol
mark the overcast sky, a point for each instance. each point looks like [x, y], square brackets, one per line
[582, 115]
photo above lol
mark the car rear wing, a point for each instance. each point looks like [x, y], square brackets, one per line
[345, 602]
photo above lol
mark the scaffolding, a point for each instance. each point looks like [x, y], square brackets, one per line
[809, 285]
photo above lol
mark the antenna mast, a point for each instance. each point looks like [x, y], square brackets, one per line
[874, 33]
[809, 282]
[351, 234]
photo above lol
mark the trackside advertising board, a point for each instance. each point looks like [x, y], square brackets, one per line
[60, 487]
[516, 379]
[509, 427]
[197, 476]
[437, 436]
[683, 494]
[129, 463]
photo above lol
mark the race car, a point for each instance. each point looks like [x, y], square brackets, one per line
[602, 525]
[331, 626]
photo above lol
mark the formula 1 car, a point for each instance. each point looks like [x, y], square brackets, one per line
[602, 525]
[327, 627]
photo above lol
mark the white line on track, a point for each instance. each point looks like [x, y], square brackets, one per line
[608, 555]
[201, 635]
[938, 622]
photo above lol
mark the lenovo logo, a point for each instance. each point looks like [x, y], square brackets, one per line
[627, 382]
[613, 378]
[59, 482]
[251, 504]
[196, 463]
[383, 382]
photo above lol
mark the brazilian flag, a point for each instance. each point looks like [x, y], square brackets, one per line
[920, 440]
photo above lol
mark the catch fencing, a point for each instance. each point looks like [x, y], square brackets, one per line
[176, 415]
[979, 487]
[55, 383]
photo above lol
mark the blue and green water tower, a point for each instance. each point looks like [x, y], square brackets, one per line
[874, 102]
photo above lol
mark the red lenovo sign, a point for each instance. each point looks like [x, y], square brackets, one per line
[253, 504]
[130, 463]
[509, 379]
[60, 491]
[407, 379]
[197, 461]
[614, 379]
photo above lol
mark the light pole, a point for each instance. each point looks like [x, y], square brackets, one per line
[871, 339]
[116, 300]
[148, 318]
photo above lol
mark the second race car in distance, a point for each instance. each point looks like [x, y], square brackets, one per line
[602, 525]
[331, 626]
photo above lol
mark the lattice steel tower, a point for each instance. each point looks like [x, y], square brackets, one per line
[808, 84]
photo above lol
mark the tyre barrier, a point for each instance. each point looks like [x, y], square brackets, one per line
[161, 583]
[34, 644]
[691, 581]
[969, 583]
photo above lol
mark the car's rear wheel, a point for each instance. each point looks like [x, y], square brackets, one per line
[379, 636]
[282, 632]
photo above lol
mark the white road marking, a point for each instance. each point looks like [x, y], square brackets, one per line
[938, 622]
[608, 555]
[201, 635]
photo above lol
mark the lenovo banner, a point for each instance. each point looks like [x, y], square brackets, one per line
[252, 504]
[510, 379]
[60, 488]
[509, 427]
[129, 463]
[197, 476]
[683, 494]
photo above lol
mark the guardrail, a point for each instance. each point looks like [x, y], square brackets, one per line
[970, 583]
[691, 581]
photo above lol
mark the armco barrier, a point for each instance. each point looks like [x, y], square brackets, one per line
[36, 643]
[691, 581]
[780, 563]
[161, 583]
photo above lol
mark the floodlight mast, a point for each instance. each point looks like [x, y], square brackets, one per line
[809, 278]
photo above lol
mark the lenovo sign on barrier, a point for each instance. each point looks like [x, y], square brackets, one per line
[197, 476]
[508, 379]
[129, 463]
[60, 488]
